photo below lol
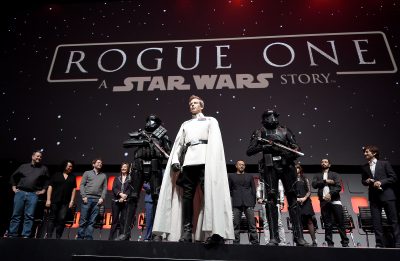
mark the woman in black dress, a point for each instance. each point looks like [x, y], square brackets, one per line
[303, 190]
[60, 197]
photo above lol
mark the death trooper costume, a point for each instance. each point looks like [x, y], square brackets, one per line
[277, 163]
[152, 147]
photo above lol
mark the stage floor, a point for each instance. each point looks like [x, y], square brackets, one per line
[84, 250]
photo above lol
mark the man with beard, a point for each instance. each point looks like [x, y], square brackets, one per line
[28, 182]
[329, 187]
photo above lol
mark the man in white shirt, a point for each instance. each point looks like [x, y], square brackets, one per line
[329, 187]
[380, 178]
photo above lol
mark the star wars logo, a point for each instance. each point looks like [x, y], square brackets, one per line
[232, 63]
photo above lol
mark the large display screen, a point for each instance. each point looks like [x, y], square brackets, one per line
[77, 77]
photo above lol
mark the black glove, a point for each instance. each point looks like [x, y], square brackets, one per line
[176, 167]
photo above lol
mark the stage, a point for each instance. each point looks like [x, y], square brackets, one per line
[63, 250]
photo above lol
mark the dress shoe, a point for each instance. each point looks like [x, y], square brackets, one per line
[314, 244]
[122, 237]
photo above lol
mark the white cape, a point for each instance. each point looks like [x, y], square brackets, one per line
[213, 210]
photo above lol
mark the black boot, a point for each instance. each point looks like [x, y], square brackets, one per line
[295, 217]
[214, 241]
[300, 242]
[187, 209]
[156, 238]
[187, 233]
[273, 242]
[272, 217]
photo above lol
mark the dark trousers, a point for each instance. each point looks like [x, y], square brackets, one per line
[333, 214]
[118, 210]
[271, 175]
[189, 179]
[391, 214]
[191, 176]
[58, 212]
[128, 217]
[237, 217]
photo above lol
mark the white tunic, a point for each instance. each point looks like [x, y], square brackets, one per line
[193, 131]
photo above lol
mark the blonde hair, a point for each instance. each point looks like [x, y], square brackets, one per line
[197, 97]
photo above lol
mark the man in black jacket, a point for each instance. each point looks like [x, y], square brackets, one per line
[243, 193]
[329, 187]
[380, 178]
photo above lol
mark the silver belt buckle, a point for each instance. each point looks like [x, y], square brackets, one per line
[275, 158]
[194, 142]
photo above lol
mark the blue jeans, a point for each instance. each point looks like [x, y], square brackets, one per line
[24, 207]
[149, 220]
[89, 212]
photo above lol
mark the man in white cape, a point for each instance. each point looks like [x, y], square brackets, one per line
[201, 203]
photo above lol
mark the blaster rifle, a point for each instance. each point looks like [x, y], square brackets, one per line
[281, 146]
[158, 146]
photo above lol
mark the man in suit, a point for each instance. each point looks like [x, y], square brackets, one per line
[243, 193]
[329, 187]
[380, 178]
